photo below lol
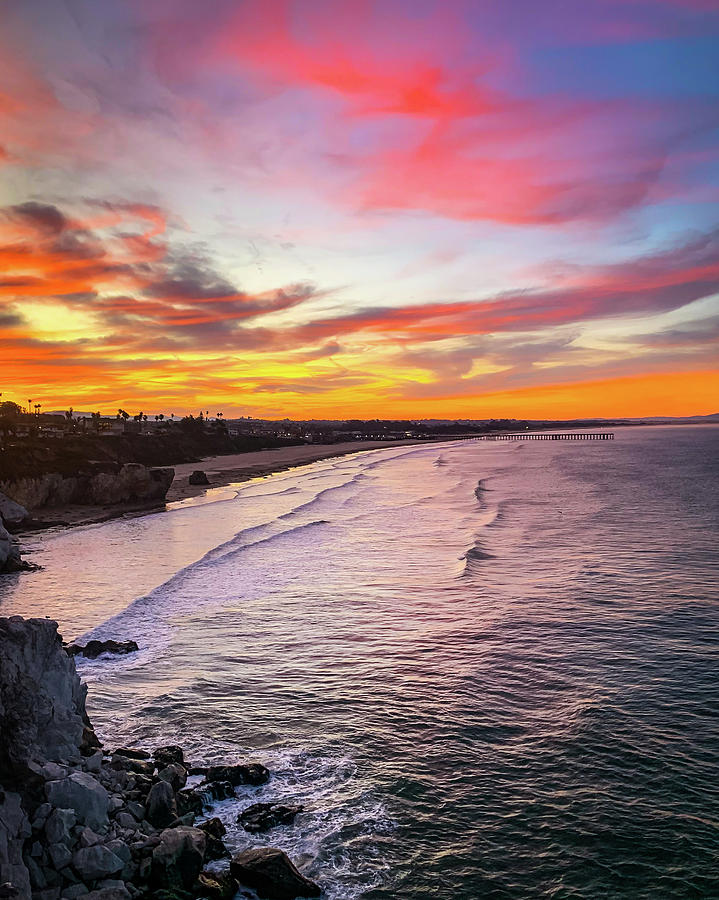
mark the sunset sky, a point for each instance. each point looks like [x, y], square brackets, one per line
[346, 208]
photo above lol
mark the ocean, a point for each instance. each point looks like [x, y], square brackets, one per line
[486, 670]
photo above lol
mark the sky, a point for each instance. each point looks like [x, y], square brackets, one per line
[400, 208]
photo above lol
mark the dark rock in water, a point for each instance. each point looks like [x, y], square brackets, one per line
[217, 885]
[197, 770]
[198, 477]
[217, 790]
[214, 829]
[203, 796]
[132, 753]
[161, 805]
[166, 756]
[272, 874]
[128, 764]
[93, 649]
[177, 859]
[214, 826]
[263, 816]
[190, 800]
[250, 773]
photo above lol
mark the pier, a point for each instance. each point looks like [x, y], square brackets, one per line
[546, 436]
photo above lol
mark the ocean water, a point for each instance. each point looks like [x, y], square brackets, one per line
[486, 670]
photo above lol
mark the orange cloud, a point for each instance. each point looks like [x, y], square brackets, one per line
[82, 310]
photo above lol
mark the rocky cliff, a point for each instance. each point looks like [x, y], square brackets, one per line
[97, 485]
[79, 823]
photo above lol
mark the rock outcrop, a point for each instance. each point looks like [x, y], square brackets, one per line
[198, 477]
[247, 773]
[75, 822]
[10, 559]
[263, 816]
[12, 514]
[93, 649]
[272, 874]
[100, 485]
[42, 702]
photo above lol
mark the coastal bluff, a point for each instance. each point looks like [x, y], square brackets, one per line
[79, 822]
[96, 484]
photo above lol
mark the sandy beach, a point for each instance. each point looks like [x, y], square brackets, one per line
[221, 470]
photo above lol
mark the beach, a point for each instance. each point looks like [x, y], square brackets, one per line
[236, 467]
[220, 471]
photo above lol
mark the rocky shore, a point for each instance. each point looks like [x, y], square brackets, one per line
[78, 821]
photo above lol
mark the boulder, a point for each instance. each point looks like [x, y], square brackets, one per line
[175, 775]
[84, 794]
[42, 701]
[190, 801]
[165, 756]
[211, 792]
[217, 885]
[96, 862]
[161, 806]
[177, 859]
[132, 753]
[58, 827]
[10, 559]
[127, 764]
[248, 773]
[214, 829]
[11, 513]
[263, 816]
[60, 856]
[271, 873]
[88, 838]
[198, 477]
[93, 649]
[74, 891]
[108, 893]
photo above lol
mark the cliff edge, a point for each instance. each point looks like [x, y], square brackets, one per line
[79, 823]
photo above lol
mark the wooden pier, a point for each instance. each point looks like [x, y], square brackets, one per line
[546, 436]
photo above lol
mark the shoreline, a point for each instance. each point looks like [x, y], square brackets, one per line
[221, 471]
[238, 467]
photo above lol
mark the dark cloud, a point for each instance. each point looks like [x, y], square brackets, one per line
[191, 278]
[44, 216]
[10, 319]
